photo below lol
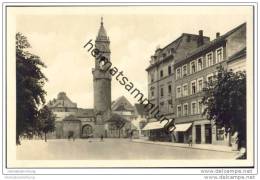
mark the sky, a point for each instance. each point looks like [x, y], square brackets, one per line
[58, 34]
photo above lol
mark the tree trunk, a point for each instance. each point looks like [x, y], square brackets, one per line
[18, 140]
[118, 133]
[45, 137]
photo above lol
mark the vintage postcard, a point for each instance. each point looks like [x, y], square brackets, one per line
[100, 85]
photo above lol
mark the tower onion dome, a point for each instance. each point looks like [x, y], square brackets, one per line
[102, 34]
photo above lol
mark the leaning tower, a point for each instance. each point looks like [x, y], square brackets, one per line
[102, 83]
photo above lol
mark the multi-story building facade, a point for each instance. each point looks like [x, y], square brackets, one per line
[188, 79]
[161, 73]
[191, 74]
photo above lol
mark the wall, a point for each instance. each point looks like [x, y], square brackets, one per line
[74, 126]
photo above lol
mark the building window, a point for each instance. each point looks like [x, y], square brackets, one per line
[178, 93]
[219, 54]
[184, 70]
[209, 59]
[193, 108]
[169, 70]
[192, 67]
[193, 87]
[179, 111]
[220, 133]
[185, 89]
[200, 110]
[178, 73]
[172, 50]
[152, 77]
[161, 92]
[210, 78]
[185, 109]
[169, 89]
[200, 84]
[152, 93]
[200, 65]
[161, 73]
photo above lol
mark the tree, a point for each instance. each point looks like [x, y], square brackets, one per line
[29, 89]
[225, 101]
[118, 122]
[46, 121]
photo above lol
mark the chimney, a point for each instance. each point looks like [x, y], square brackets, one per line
[200, 41]
[201, 32]
[217, 35]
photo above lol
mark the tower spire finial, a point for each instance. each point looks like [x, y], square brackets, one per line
[101, 20]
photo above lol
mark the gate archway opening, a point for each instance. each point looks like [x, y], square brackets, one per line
[87, 131]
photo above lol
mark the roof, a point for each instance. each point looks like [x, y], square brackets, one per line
[62, 101]
[102, 34]
[140, 109]
[210, 44]
[85, 113]
[117, 118]
[239, 54]
[122, 101]
[175, 44]
[71, 118]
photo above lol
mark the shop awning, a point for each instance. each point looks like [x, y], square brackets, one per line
[182, 127]
[155, 125]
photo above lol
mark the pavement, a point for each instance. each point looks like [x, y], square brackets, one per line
[209, 147]
[111, 149]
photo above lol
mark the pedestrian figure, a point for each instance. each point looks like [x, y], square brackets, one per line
[131, 135]
[101, 137]
[190, 140]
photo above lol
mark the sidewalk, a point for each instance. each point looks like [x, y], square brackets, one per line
[209, 147]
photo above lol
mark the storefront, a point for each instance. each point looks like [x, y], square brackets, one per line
[156, 131]
[182, 132]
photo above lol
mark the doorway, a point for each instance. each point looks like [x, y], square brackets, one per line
[208, 134]
[198, 134]
[180, 137]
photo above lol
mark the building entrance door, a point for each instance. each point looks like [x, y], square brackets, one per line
[180, 137]
[198, 134]
[208, 134]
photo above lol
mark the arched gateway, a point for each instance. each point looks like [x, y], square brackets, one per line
[87, 131]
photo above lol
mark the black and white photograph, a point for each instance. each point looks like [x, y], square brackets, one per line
[119, 86]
